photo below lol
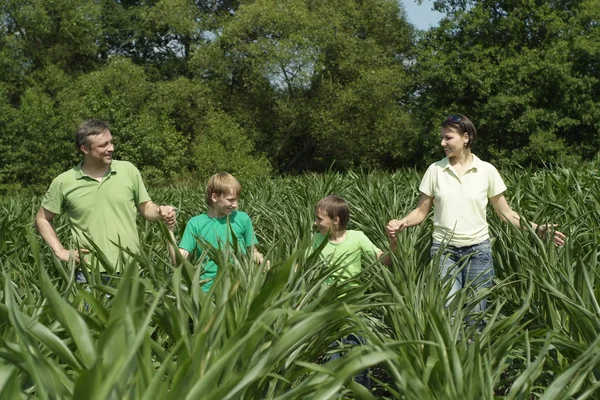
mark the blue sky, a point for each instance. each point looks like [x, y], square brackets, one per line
[422, 16]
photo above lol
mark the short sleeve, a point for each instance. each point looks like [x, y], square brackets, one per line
[496, 184]
[139, 189]
[249, 236]
[428, 182]
[188, 240]
[317, 240]
[53, 200]
[367, 246]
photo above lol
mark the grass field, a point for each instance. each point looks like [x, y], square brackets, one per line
[263, 333]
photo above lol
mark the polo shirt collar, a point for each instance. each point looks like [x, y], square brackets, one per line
[476, 165]
[79, 171]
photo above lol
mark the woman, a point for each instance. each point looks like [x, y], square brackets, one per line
[459, 187]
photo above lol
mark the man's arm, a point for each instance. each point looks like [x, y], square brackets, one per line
[43, 223]
[153, 212]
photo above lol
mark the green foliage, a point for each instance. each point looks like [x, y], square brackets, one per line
[262, 332]
[523, 70]
[220, 145]
[298, 85]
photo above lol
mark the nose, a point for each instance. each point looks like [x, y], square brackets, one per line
[443, 143]
[111, 147]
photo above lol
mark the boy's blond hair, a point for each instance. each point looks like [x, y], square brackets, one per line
[335, 206]
[222, 183]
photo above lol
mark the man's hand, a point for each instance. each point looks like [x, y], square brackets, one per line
[168, 215]
[65, 254]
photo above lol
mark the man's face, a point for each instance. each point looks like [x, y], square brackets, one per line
[99, 148]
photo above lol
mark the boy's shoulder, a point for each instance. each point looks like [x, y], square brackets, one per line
[355, 234]
[240, 215]
[199, 219]
[236, 216]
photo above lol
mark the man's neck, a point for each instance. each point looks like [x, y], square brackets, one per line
[96, 171]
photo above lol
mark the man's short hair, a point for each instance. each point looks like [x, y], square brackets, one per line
[222, 183]
[335, 206]
[88, 128]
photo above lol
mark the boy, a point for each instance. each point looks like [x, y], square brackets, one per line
[222, 194]
[345, 248]
[332, 214]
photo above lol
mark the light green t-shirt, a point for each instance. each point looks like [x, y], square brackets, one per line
[349, 253]
[459, 214]
[105, 211]
[216, 232]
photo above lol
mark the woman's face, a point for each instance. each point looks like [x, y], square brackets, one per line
[453, 142]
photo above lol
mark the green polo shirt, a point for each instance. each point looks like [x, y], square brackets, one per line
[460, 201]
[348, 253]
[104, 210]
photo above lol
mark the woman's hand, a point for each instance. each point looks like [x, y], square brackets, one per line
[543, 230]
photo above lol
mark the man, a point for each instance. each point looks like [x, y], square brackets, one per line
[100, 197]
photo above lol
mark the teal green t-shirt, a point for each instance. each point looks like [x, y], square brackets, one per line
[216, 232]
[105, 210]
[349, 253]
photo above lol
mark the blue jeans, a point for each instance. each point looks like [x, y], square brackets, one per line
[80, 277]
[352, 340]
[466, 266]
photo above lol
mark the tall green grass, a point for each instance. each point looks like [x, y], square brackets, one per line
[265, 332]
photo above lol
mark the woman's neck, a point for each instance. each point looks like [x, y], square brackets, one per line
[464, 159]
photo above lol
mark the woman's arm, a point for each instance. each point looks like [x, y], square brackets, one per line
[415, 217]
[507, 214]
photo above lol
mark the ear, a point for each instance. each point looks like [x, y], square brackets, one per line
[466, 138]
[336, 221]
[84, 149]
[214, 197]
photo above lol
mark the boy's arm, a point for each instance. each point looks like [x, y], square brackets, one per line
[256, 255]
[387, 258]
[184, 253]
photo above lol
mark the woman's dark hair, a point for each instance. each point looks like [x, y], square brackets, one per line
[461, 124]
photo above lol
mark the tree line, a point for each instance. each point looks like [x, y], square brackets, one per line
[263, 87]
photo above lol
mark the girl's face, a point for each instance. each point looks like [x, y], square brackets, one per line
[324, 224]
[453, 142]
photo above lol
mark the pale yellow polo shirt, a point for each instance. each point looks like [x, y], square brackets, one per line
[459, 214]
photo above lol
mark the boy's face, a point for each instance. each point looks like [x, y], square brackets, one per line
[225, 204]
[324, 223]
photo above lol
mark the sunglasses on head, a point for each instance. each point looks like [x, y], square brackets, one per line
[455, 118]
